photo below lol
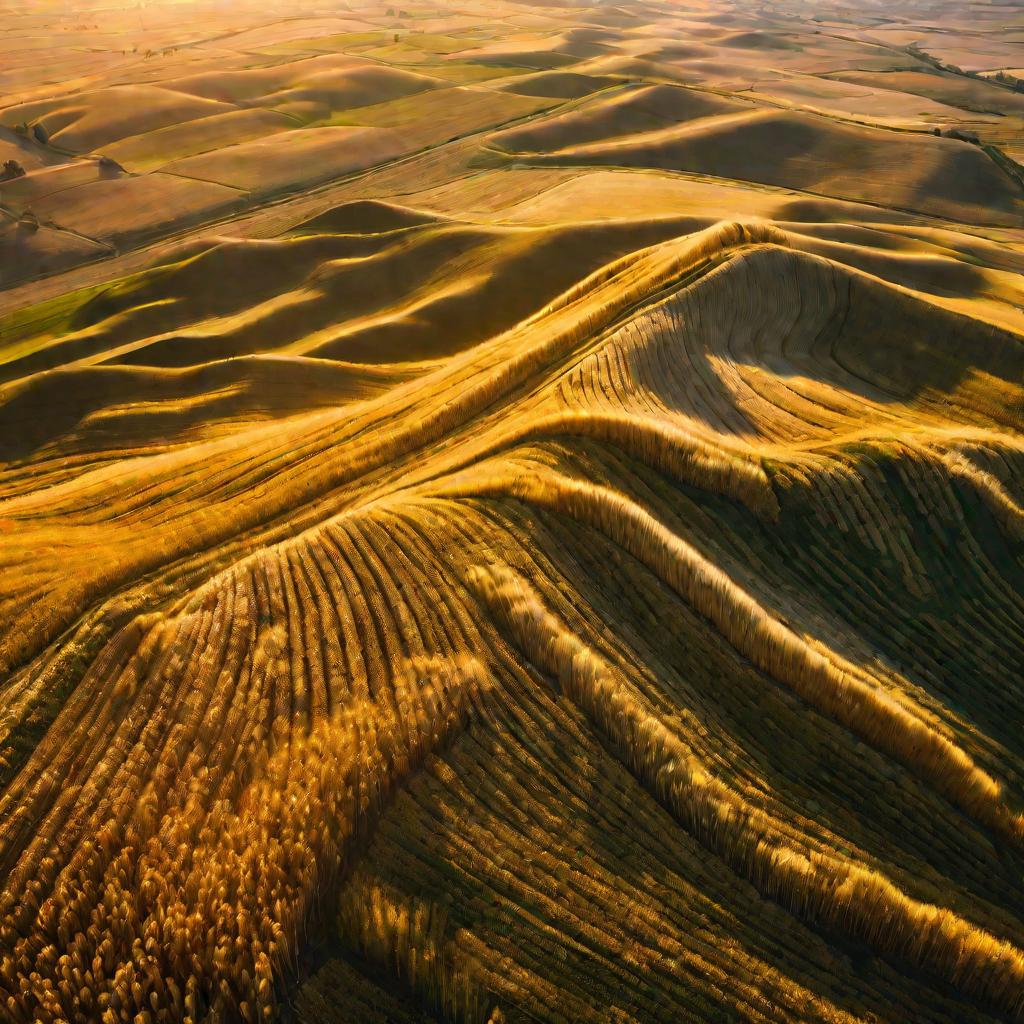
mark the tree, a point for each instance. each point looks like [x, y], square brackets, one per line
[11, 169]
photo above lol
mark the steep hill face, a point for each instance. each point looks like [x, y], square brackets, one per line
[629, 569]
[492, 587]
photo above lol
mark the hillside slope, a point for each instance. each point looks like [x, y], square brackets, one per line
[544, 543]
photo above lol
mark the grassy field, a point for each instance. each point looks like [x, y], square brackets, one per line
[511, 513]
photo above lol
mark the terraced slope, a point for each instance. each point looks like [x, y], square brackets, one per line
[491, 587]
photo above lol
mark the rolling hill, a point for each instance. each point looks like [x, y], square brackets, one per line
[510, 514]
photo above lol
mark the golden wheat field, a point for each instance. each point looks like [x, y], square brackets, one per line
[511, 512]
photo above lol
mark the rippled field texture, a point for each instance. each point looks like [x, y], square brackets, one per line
[511, 513]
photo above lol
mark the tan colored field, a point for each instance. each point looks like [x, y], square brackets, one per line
[291, 161]
[796, 151]
[154, 150]
[511, 513]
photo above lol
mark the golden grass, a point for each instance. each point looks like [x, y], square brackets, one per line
[797, 150]
[842, 895]
[553, 551]
[218, 893]
[409, 939]
[822, 678]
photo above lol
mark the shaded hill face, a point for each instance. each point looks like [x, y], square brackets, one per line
[625, 112]
[926, 174]
[552, 551]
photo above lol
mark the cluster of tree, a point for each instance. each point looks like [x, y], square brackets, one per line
[11, 170]
[962, 134]
[1005, 78]
[36, 131]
